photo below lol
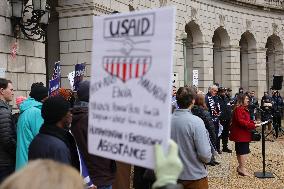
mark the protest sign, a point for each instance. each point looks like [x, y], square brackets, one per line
[54, 85]
[195, 78]
[71, 76]
[56, 71]
[2, 72]
[79, 75]
[131, 81]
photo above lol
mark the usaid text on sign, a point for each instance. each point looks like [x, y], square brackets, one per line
[139, 25]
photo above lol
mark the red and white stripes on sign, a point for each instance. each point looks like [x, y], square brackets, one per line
[127, 68]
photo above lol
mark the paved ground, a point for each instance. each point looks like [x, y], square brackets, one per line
[224, 176]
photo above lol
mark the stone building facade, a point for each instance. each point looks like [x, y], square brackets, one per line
[29, 64]
[234, 43]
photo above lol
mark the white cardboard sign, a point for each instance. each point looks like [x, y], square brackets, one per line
[195, 77]
[131, 81]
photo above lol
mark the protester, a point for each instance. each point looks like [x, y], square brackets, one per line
[253, 105]
[16, 115]
[54, 140]
[240, 132]
[68, 95]
[200, 109]
[29, 122]
[174, 100]
[225, 118]
[277, 111]
[44, 174]
[102, 171]
[189, 132]
[215, 112]
[7, 130]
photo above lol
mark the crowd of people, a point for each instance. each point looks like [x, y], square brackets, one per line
[56, 128]
[200, 121]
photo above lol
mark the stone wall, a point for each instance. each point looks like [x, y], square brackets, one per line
[29, 64]
[199, 20]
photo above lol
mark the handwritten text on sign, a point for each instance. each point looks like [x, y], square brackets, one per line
[130, 85]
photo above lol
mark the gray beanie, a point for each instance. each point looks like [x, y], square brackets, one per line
[83, 91]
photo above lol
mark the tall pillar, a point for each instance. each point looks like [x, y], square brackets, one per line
[231, 67]
[203, 62]
[279, 66]
[75, 34]
[257, 71]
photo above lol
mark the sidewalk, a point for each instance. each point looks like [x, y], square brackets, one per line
[224, 176]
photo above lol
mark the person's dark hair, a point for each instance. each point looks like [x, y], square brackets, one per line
[185, 96]
[4, 83]
[38, 91]
[54, 109]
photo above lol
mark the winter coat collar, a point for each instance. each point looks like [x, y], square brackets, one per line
[57, 132]
[4, 105]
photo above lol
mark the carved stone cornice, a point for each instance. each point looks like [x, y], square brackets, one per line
[87, 8]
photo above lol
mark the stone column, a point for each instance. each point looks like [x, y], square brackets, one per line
[257, 71]
[203, 62]
[75, 34]
[231, 68]
[279, 66]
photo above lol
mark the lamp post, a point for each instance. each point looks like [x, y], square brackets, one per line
[31, 20]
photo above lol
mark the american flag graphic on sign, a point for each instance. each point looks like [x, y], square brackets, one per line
[126, 68]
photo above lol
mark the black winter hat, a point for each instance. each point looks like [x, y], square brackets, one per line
[84, 91]
[38, 91]
[54, 109]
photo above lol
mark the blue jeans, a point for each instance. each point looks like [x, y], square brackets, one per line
[105, 187]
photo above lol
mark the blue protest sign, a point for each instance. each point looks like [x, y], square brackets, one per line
[54, 86]
[57, 71]
[79, 74]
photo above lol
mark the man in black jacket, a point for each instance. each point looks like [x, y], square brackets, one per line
[102, 171]
[7, 130]
[225, 118]
[54, 141]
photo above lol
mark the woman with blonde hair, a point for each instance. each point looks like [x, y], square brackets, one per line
[240, 132]
[44, 174]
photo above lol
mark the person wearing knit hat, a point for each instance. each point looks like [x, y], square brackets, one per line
[29, 122]
[83, 91]
[102, 170]
[54, 140]
[19, 100]
[38, 91]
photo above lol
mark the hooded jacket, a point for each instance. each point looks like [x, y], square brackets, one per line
[55, 143]
[101, 170]
[29, 123]
[7, 136]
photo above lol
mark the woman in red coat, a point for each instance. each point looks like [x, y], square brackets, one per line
[240, 132]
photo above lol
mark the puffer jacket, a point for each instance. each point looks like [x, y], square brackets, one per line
[7, 136]
[102, 171]
[29, 123]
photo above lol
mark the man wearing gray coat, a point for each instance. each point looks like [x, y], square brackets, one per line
[189, 132]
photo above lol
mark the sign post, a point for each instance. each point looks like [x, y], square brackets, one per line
[131, 82]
